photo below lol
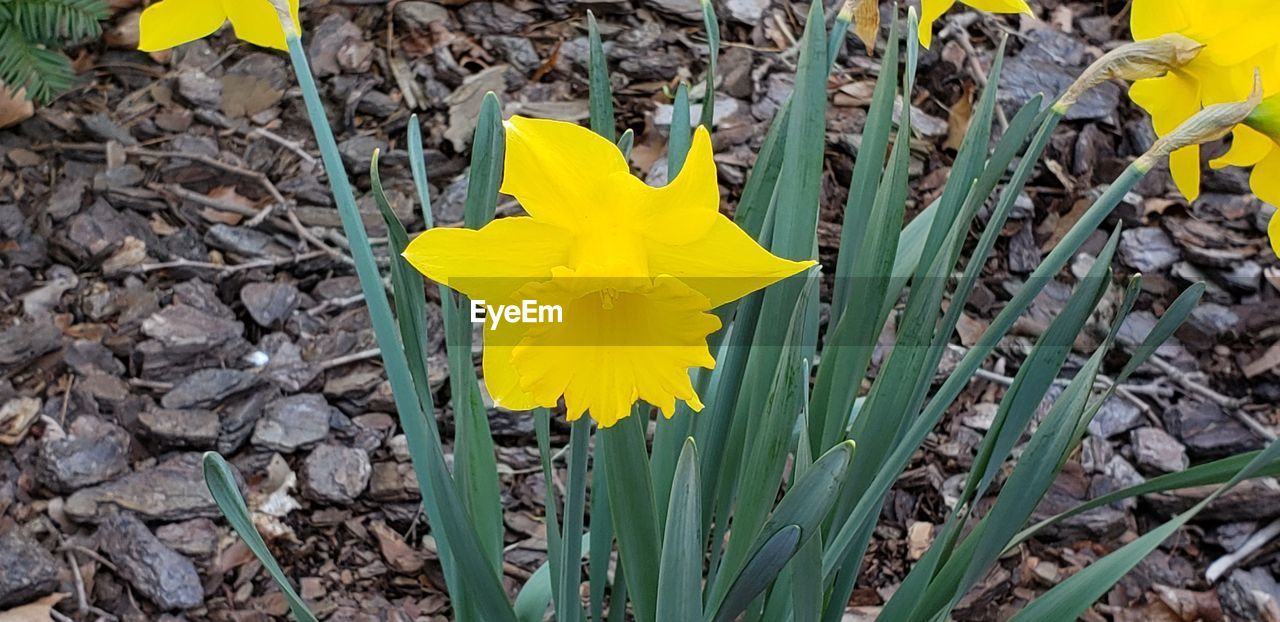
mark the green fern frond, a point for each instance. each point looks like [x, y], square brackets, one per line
[24, 64]
[58, 22]
[32, 35]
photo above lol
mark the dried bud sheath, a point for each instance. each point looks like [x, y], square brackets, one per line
[1205, 126]
[865, 15]
[1133, 61]
[286, 17]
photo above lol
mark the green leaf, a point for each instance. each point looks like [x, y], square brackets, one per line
[759, 572]
[865, 181]
[1169, 322]
[635, 515]
[680, 576]
[625, 142]
[713, 54]
[418, 168]
[763, 464]
[1032, 474]
[1067, 600]
[754, 204]
[804, 506]
[476, 465]
[800, 185]
[535, 596]
[794, 225]
[757, 194]
[1036, 375]
[850, 540]
[839, 30]
[222, 486]
[1215, 472]
[408, 288]
[681, 135]
[601, 92]
[850, 344]
[487, 152]
[806, 567]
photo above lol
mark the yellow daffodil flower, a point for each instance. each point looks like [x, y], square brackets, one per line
[931, 10]
[634, 269]
[1256, 143]
[170, 23]
[1237, 37]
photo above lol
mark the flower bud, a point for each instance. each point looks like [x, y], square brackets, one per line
[1139, 60]
[1208, 125]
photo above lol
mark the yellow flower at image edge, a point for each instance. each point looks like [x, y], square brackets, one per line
[1257, 144]
[635, 270]
[1239, 39]
[931, 10]
[170, 23]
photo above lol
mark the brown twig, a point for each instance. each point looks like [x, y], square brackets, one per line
[335, 303]
[224, 268]
[1230, 404]
[151, 384]
[82, 603]
[347, 359]
[261, 179]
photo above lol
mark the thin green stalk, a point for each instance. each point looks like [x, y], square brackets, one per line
[569, 608]
[444, 507]
[635, 515]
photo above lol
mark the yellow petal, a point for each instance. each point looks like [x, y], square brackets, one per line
[1273, 232]
[930, 11]
[1238, 30]
[559, 171]
[1184, 166]
[1248, 147]
[683, 210]
[1169, 99]
[493, 262]
[500, 377]
[724, 265]
[1151, 18]
[1000, 6]
[611, 351]
[257, 22]
[1265, 182]
[1172, 99]
[171, 23]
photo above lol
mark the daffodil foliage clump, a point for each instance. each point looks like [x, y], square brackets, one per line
[32, 35]
[736, 450]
